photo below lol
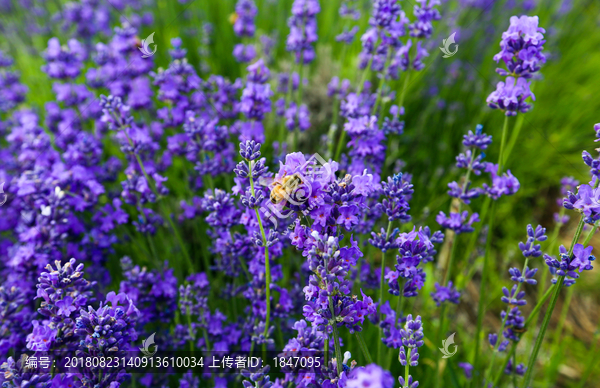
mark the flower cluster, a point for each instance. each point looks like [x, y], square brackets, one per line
[255, 102]
[243, 26]
[107, 331]
[585, 198]
[383, 50]
[64, 62]
[580, 259]
[371, 375]
[366, 145]
[348, 10]
[445, 294]
[412, 340]
[231, 252]
[64, 292]
[414, 248]
[472, 161]
[327, 294]
[153, 292]
[521, 51]
[303, 30]
[121, 69]
[12, 92]
[513, 321]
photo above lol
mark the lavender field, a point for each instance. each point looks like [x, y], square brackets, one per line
[299, 193]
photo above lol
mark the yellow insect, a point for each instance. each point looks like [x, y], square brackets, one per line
[283, 188]
[233, 18]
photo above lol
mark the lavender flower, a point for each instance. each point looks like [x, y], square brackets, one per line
[330, 261]
[522, 46]
[528, 248]
[64, 62]
[506, 184]
[153, 292]
[18, 374]
[414, 248]
[443, 294]
[412, 340]
[510, 96]
[64, 292]
[107, 331]
[478, 139]
[580, 260]
[366, 145]
[303, 30]
[425, 14]
[513, 322]
[371, 375]
[467, 369]
[458, 222]
[245, 13]
[12, 92]
[243, 26]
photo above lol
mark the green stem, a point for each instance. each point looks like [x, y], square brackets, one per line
[551, 247]
[439, 339]
[447, 276]
[407, 367]
[515, 135]
[502, 144]
[191, 329]
[511, 353]
[591, 233]
[340, 144]
[483, 215]
[404, 88]
[532, 317]
[326, 350]
[514, 365]
[378, 100]
[565, 307]
[206, 342]
[267, 263]
[542, 333]
[488, 246]
[333, 126]
[448, 273]
[482, 286]
[400, 300]
[363, 347]
[336, 107]
[539, 306]
[298, 102]
[381, 286]
[288, 98]
[336, 339]
[186, 256]
[382, 275]
[501, 331]
[153, 250]
[381, 84]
